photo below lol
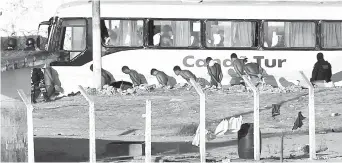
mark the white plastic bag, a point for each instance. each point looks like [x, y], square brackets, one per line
[222, 128]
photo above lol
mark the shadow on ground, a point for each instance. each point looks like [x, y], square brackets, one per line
[76, 150]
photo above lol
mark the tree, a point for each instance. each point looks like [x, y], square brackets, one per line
[14, 12]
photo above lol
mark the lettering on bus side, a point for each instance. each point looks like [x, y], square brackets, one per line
[190, 61]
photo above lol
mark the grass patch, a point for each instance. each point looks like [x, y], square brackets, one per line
[187, 130]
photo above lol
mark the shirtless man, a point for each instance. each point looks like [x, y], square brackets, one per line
[134, 75]
[215, 72]
[252, 70]
[185, 74]
[107, 77]
[161, 77]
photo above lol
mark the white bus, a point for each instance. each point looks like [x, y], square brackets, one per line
[283, 37]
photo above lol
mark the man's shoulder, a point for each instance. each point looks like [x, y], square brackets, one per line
[187, 72]
[133, 72]
[327, 62]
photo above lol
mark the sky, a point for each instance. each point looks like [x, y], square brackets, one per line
[25, 17]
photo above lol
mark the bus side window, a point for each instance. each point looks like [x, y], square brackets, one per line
[124, 33]
[230, 34]
[289, 34]
[175, 33]
[331, 35]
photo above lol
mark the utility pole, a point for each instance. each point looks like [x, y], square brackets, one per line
[97, 61]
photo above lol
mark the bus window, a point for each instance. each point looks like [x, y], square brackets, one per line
[331, 34]
[74, 37]
[176, 33]
[124, 33]
[230, 34]
[289, 34]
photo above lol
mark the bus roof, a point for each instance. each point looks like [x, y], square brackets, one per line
[207, 10]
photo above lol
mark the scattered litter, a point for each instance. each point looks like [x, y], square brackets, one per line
[208, 135]
[110, 90]
[299, 121]
[233, 124]
[322, 150]
[175, 99]
[226, 160]
[275, 110]
[335, 114]
[306, 149]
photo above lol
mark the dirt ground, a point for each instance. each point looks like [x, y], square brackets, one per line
[61, 127]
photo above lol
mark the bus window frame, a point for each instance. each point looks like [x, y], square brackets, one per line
[177, 47]
[320, 37]
[63, 35]
[256, 41]
[124, 47]
[316, 47]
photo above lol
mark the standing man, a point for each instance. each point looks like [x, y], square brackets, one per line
[37, 84]
[215, 72]
[185, 74]
[321, 71]
[134, 75]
